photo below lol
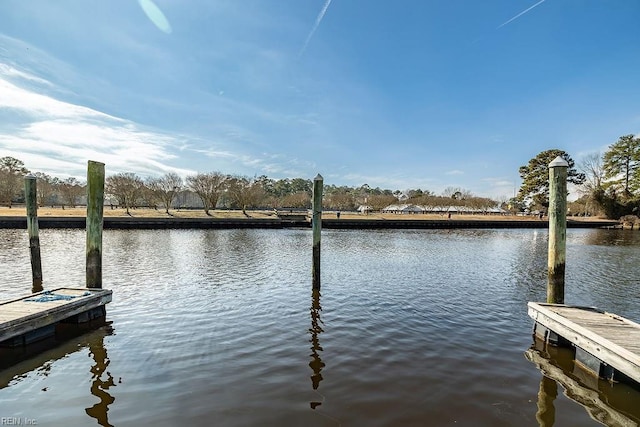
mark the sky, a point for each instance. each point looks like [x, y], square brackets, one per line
[401, 95]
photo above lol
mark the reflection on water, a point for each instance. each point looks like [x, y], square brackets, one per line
[316, 363]
[18, 362]
[617, 237]
[213, 326]
[99, 386]
[609, 403]
[548, 392]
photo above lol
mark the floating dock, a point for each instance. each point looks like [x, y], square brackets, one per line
[34, 317]
[607, 344]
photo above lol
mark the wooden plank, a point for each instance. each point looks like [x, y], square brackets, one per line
[19, 316]
[613, 350]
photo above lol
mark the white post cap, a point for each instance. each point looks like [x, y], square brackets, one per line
[559, 162]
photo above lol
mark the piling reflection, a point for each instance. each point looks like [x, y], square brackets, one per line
[546, 414]
[102, 381]
[68, 339]
[316, 363]
[607, 403]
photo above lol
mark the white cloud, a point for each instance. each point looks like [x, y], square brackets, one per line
[454, 172]
[53, 136]
[9, 71]
[34, 104]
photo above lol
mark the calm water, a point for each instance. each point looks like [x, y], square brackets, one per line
[220, 327]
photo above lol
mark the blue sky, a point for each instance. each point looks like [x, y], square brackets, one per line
[396, 94]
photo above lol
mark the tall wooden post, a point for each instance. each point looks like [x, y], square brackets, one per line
[95, 205]
[557, 230]
[316, 224]
[31, 198]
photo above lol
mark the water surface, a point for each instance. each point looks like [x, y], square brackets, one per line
[220, 327]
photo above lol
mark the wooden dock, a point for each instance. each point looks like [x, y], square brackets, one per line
[607, 344]
[33, 317]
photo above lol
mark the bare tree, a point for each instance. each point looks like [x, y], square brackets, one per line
[45, 189]
[244, 192]
[341, 201]
[126, 187]
[70, 191]
[593, 188]
[300, 199]
[593, 168]
[148, 195]
[457, 193]
[11, 170]
[209, 187]
[379, 202]
[166, 188]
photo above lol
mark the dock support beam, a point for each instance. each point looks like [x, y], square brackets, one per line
[557, 230]
[95, 205]
[31, 199]
[316, 224]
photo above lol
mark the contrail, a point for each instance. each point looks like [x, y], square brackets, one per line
[520, 14]
[315, 26]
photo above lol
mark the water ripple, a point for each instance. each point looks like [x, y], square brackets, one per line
[220, 326]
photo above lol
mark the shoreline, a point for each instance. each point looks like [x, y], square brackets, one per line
[15, 218]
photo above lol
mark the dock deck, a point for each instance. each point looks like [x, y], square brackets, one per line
[605, 343]
[28, 314]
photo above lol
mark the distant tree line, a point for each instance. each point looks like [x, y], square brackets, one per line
[212, 190]
[52, 191]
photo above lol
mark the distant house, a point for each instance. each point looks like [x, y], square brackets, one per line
[365, 209]
[463, 210]
[403, 209]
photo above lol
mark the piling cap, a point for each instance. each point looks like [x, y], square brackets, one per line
[318, 178]
[559, 162]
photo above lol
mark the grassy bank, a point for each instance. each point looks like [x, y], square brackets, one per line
[266, 215]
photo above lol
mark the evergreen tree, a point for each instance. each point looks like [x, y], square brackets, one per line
[535, 177]
[622, 161]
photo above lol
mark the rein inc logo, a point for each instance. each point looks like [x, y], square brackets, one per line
[18, 421]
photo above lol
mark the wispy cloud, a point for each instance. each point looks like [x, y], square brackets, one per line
[520, 14]
[315, 27]
[455, 172]
[50, 135]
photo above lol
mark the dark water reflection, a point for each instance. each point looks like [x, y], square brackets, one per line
[610, 404]
[316, 363]
[101, 382]
[216, 327]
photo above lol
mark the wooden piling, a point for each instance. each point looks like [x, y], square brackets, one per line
[557, 230]
[316, 223]
[31, 199]
[95, 205]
